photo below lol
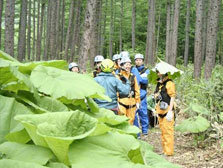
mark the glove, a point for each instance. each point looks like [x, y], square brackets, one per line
[123, 79]
[169, 115]
[154, 112]
[137, 106]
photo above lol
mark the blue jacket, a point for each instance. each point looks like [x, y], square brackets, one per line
[143, 80]
[112, 85]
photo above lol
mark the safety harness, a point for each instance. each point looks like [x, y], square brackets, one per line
[132, 83]
[161, 88]
[143, 86]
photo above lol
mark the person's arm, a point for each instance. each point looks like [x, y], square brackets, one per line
[144, 79]
[123, 88]
[171, 91]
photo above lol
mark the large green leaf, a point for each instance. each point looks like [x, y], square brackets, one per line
[6, 56]
[156, 161]
[199, 109]
[40, 103]
[9, 107]
[125, 127]
[194, 125]
[56, 165]
[58, 130]
[27, 68]
[8, 163]
[108, 151]
[26, 153]
[108, 117]
[59, 83]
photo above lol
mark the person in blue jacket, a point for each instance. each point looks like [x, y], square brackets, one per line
[141, 114]
[112, 86]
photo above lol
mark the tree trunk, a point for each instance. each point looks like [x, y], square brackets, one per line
[198, 41]
[120, 33]
[99, 51]
[76, 30]
[58, 30]
[22, 31]
[168, 23]
[29, 32]
[175, 32]
[204, 28]
[94, 42]
[62, 27]
[40, 32]
[111, 31]
[158, 33]
[69, 29]
[133, 23]
[53, 34]
[87, 34]
[9, 27]
[47, 45]
[212, 28]
[34, 31]
[187, 30]
[1, 11]
[150, 41]
[104, 26]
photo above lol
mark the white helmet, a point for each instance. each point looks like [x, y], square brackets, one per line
[124, 60]
[139, 56]
[124, 54]
[72, 64]
[98, 58]
[116, 57]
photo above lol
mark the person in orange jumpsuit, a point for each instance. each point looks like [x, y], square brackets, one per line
[129, 104]
[165, 94]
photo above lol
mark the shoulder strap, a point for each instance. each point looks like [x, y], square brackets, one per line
[143, 71]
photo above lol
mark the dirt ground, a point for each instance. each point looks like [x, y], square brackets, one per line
[187, 154]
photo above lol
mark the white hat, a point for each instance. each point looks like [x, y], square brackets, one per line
[72, 64]
[98, 58]
[139, 56]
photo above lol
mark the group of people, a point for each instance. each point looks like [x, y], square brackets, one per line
[126, 85]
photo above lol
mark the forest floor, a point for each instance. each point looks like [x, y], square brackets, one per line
[186, 153]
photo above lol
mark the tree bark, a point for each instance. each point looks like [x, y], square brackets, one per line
[69, 29]
[62, 27]
[58, 30]
[204, 28]
[48, 29]
[34, 31]
[40, 33]
[1, 11]
[212, 28]
[175, 32]
[22, 31]
[94, 47]
[158, 33]
[29, 32]
[187, 30]
[120, 32]
[53, 34]
[87, 34]
[198, 41]
[168, 23]
[104, 26]
[133, 23]
[150, 41]
[9, 27]
[111, 31]
[76, 30]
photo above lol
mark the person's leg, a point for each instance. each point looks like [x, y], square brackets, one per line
[130, 113]
[143, 116]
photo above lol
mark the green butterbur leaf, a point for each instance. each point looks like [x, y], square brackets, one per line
[58, 130]
[194, 125]
[26, 153]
